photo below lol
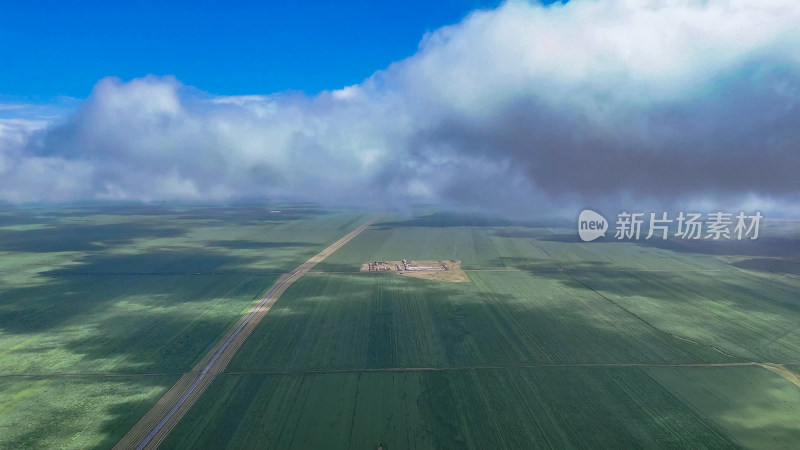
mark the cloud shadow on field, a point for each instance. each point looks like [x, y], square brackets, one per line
[735, 310]
[335, 321]
[120, 417]
[71, 291]
[616, 281]
[242, 244]
[122, 323]
[444, 220]
[785, 246]
[119, 303]
[120, 284]
[781, 266]
[250, 214]
[777, 254]
[182, 336]
[82, 237]
[79, 412]
[180, 260]
[24, 217]
[533, 233]
[180, 209]
[667, 286]
[64, 234]
[393, 321]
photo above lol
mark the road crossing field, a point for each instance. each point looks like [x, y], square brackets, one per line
[551, 342]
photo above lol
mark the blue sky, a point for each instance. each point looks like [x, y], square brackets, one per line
[56, 48]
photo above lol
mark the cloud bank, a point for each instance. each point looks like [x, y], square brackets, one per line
[521, 109]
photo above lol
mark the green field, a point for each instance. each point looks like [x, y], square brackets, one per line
[759, 411]
[500, 318]
[102, 308]
[511, 408]
[58, 411]
[552, 343]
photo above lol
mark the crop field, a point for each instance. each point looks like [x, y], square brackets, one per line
[501, 318]
[510, 408]
[551, 342]
[758, 411]
[101, 309]
[479, 244]
[57, 411]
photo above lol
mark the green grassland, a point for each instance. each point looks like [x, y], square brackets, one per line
[552, 343]
[74, 412]
[551, 407]
[105, 294]
[500, 318]
[482, 245]
[740, 313]
[758, 411]
[120, 323]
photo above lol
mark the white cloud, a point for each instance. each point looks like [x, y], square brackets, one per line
[592, 102]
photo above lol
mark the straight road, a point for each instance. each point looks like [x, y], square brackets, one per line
[151, 430]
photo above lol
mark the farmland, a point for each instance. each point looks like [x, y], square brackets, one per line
[513, 408]
[384, 320]
[551, 343]
[102, 309]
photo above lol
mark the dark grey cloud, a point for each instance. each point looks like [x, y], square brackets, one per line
[524, 109]
[740, 137]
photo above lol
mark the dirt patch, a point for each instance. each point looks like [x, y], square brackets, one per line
[782, 371]
[437, 270]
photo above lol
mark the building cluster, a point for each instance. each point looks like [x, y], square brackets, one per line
[378, 266]
[404, 266]
[407, 267]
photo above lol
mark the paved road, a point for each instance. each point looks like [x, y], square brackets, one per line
[151, 430]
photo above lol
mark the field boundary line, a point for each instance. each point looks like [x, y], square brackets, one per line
[584, 269]
[636, 316]
[633, 314]
[492, 367]
[151, 429]
[390, 369]
[559, 268]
